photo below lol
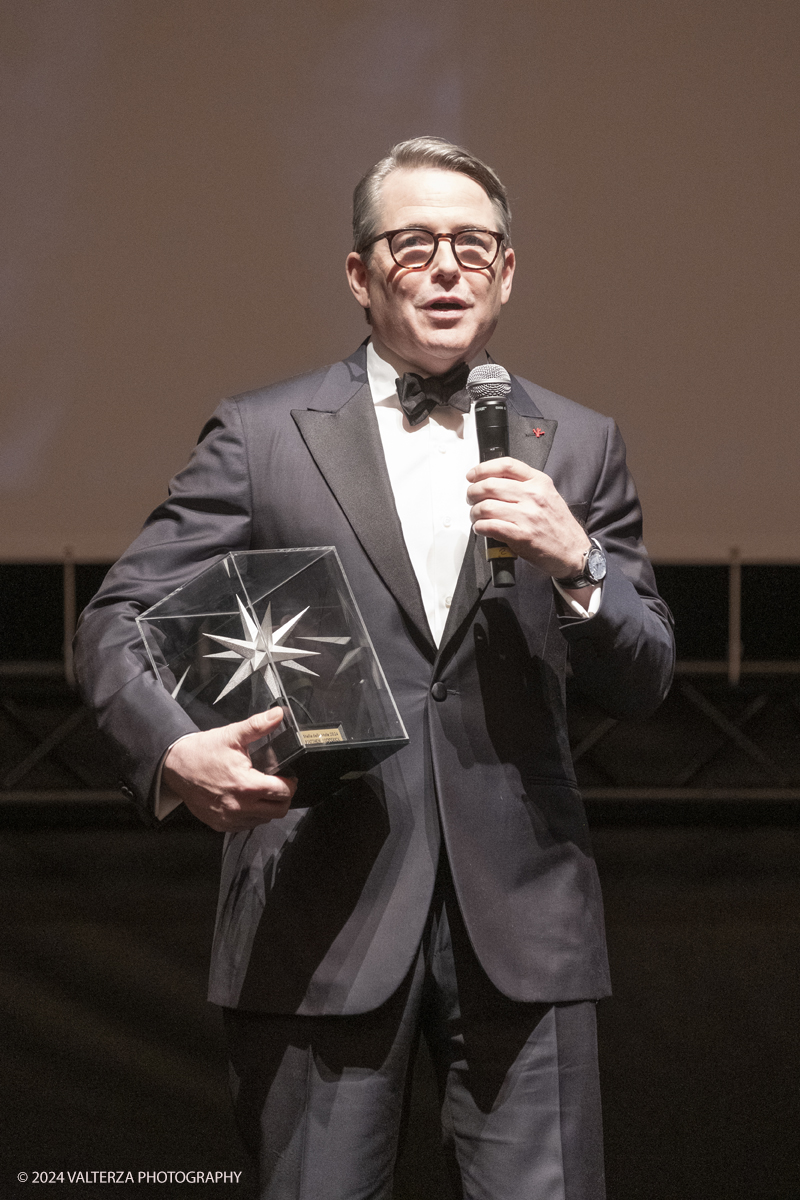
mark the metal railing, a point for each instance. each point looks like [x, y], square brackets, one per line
[720, 712]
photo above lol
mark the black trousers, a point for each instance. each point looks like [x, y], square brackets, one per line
[319, 1100]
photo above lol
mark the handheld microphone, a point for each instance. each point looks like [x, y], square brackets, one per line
[488, 387]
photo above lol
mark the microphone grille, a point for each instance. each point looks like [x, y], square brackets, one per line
[489, 382]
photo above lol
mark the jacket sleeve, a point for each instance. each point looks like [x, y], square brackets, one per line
[207, 513]
[623, 658]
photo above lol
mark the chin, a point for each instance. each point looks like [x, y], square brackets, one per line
[448, 341]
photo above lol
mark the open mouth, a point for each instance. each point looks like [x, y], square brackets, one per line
[445, 305]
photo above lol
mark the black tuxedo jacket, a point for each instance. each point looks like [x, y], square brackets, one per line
[321, 912]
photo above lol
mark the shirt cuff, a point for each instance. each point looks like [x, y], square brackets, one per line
[578, 609]
[165, 800]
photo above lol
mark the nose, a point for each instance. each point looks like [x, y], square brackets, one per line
[444, 260]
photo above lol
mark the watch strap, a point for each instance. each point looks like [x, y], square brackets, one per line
[583, 579]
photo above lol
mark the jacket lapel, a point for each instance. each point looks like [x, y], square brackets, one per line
[530, 438]
[344, 440]
[530, 435]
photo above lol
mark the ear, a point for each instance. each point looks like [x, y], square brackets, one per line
[358, 278]
[507, 274]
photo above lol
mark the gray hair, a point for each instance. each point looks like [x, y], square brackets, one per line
[422, 152]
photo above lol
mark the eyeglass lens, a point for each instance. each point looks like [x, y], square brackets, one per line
[472, 248]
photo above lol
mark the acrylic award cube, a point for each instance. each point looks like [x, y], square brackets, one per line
[279, 627]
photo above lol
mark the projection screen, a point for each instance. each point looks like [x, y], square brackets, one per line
[176, 186]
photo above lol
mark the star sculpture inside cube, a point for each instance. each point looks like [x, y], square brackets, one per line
[260, 647]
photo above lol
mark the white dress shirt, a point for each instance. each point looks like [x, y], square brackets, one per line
[427, 467]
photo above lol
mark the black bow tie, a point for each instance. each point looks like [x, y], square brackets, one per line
[420, 396]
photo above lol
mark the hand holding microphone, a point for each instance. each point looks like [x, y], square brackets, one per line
[520, 503]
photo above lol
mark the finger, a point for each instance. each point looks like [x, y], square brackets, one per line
[494, 510]
[228, 815]
[509, 468]
[259, 804]
[255, 727]
[256, 787]
[273, 804]
[501, 531]
[494, 488]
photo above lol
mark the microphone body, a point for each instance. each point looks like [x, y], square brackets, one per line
[488, 386]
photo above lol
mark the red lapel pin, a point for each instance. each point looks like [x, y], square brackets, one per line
[537, 432]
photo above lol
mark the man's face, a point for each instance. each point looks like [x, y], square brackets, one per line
[431, 319]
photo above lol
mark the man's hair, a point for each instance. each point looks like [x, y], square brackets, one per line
[422, 152]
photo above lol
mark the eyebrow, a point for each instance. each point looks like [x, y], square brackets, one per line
[458, 229]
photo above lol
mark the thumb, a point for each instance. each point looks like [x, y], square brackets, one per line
[255, 727]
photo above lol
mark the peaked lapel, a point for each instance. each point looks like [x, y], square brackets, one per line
[529, 446]
[345, 442]
[525, 443]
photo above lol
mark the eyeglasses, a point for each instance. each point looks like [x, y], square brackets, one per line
[415, 249]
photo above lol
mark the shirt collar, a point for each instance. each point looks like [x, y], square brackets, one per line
[381, 375]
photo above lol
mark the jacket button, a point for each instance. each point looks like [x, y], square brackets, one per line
[439, 691]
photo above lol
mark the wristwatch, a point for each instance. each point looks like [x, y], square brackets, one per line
[594, 569]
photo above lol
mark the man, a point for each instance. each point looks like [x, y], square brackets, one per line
[452, 889]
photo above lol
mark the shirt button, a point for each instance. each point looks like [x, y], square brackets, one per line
[447, 522]
[443, 449]
[439, 691]
[448, 600]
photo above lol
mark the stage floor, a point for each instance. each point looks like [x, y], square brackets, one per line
[112, 1060]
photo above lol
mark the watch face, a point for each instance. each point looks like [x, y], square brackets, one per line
[595, 565]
